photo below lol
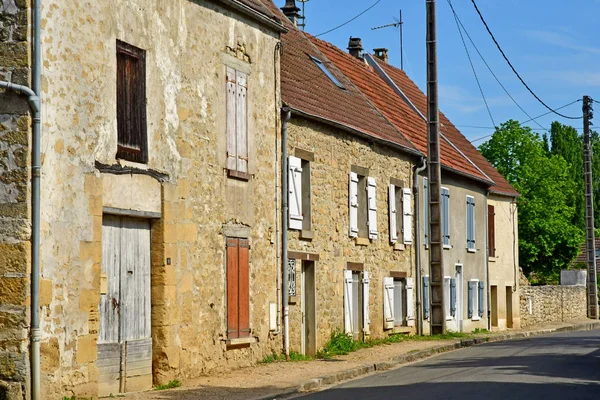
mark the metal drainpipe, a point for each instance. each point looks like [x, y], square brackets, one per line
[487, 266]
[284, 232]
[34, 99]
[416, 171]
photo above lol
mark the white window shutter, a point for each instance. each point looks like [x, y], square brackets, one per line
[353, 203]
[388, 302]
[372, 207]
[393, 214]
[406, 216]
[231, 120]
[348, 302]
[242, 119]
[410, 311]
[366, 316]
[295, 193]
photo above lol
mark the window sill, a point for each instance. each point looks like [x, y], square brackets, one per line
[307, 234]
[240, 341]
[242, 176]
[492, 259]
[292, 300]
[399, 247]
[476, 319]
[471, 250]
[447, 246]
[362, 241]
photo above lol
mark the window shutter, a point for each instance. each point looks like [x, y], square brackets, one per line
[231, 120]
[491, 232]
[470, 299]
[480, 298]
[453, 297]
[410, 311]
[445, 216]
[426, 209]
[244, 288]
[348, 302]
[426, 297]
[232, 288]
[470, 222]
[447, 309]
[372, 207]
[366, 316]
[393, 214]
[388, 302]
[242, 122]
[295, 193]
[353, 203]
[406, 216]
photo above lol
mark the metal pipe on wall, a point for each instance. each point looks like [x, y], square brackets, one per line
[416, 171]
[284, 231]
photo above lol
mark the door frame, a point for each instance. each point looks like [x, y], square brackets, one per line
[458, 275]
[304, 312]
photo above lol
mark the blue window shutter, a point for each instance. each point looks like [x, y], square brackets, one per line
[453, 297]
[445, 216]
[426, 209]
[425, 297]
[470, 222]
[470, 299]
[480, 298]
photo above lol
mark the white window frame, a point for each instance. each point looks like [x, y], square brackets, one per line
[475, 300]
[447, 311]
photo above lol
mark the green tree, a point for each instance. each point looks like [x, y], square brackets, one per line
[548, 240]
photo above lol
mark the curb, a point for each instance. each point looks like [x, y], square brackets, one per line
[320, 382]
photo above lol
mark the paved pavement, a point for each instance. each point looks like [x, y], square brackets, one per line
[558, 366]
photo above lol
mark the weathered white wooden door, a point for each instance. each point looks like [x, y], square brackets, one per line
[124, 340]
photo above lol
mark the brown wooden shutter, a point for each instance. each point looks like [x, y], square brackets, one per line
[232, 288]
[132, 143]
[244, 288]
[491, 232]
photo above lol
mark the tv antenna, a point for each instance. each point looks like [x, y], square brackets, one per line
[397, 24]
[302, 18]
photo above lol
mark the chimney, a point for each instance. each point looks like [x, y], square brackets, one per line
[291, 11]
[355, 47]
[382, 54]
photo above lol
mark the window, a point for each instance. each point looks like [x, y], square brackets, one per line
[356, 303]
[426, 210]
[426, 305]
[400, 214]
[323, 68]
[299, 199]
[470, 223]
[447, 302]
[238, 288]
[475, 299]
[237, 118]
[363, 206]
[491, 232]
[398, 302]
[132, 141]
[446, 217]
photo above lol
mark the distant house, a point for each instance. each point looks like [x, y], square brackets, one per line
[581, 260]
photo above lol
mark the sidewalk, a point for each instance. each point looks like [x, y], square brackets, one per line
[278, 379]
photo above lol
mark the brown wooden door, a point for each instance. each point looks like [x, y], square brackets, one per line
[238, 288]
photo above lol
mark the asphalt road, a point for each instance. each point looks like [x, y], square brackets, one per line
[561, 366]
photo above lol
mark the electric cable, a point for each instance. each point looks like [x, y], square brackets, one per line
[513, 68]
[350, 20]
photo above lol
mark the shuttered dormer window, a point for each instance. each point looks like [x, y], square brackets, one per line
[327, 72]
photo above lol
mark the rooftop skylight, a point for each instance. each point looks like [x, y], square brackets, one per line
[327, 72]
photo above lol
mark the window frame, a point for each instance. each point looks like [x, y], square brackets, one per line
[235, 162]
[471, 221]
[475, 300]
[445, 217]
[491, 231]
[327, 72]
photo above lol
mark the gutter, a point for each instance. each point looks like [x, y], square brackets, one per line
[273, 23]
[487, 266]
[416, 171]
[287, 114]
[34, 98]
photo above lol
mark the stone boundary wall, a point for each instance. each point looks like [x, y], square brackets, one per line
[543, 304]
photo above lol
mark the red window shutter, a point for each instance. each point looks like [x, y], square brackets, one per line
[233, 330]
[491, 232]
[244, 288]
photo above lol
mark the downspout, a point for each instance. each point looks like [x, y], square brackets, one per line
[34, 99]
[416, 171]
[284, 232]
[487, 265]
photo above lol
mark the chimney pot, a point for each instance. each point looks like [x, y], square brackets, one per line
[355, 47]
[292, 11]
[382, 54]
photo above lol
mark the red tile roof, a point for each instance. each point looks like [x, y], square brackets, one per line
[582, 257]
[419, 100]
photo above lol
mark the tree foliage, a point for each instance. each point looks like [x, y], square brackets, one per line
[548, 238]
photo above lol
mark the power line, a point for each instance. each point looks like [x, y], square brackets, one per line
[513, 68]
[350, 20]
[488, 66]
[473, 67]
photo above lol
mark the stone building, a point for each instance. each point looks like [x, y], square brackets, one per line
[159, 187]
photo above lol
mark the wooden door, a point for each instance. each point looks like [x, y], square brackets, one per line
[309, 322]
[124, 340]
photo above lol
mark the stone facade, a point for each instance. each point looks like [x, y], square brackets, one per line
[184, 187]
[547, 304]
[14, 201]
[335, 152]
[504, 265]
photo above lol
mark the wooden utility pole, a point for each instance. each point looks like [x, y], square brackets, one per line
[436, 267]
[592, 288]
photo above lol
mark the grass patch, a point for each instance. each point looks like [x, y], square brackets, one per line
[480, 330]
[294, 356]
[171, 385]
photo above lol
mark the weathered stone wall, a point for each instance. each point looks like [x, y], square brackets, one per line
[14, 200]
[544, 304]
[188, 45]
[334, 153]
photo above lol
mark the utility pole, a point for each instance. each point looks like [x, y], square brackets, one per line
[436, 266]
[592, 288]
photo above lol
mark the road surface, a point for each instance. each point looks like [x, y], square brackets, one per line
[561, 366]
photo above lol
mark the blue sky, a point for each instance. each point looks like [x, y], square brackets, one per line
[553, 44]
